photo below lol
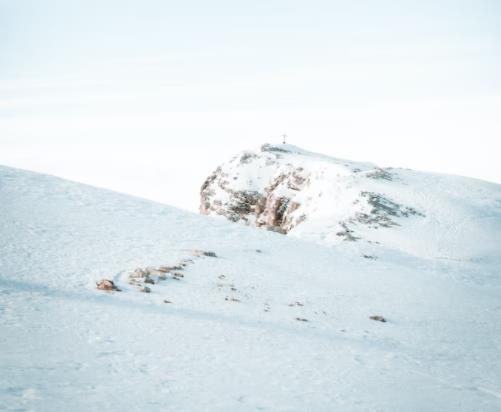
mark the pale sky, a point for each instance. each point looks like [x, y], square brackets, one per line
[148, 97]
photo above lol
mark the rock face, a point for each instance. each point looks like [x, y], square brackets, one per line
[280, 187]
[258, 189]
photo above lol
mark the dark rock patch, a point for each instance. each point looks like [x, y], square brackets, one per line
[107, 285]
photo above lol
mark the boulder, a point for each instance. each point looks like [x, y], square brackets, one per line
[107, 284]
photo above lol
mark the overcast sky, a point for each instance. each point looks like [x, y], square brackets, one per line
[148, 97]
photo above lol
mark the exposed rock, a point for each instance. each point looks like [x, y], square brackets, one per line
[382, 205]
[272, 148]
[152, 275]
[155, 272]
[145, 289]
[264, 207]
[346, 233]
[280, 187]
[166, 269]
[138, 273]
[378, 318]
[200, 253]
[107, 284]
[381, 173]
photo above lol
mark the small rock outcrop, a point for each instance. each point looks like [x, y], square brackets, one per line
[263, 200]
[202, 253]
[139, 278]
[378, 318]
[107, 285]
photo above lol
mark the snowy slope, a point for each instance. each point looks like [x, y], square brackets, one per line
[333, 201]
[272, 323]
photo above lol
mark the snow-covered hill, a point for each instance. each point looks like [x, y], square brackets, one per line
[264, 322]
[333, 201]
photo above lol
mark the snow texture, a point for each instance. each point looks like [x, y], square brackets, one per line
[266, 321]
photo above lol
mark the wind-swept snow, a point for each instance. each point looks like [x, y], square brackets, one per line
[271, 323]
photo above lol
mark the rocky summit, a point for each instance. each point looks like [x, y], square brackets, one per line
[289, 190]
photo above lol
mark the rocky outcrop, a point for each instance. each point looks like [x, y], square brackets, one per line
[107, 285]
[270, 205]
[280, 187]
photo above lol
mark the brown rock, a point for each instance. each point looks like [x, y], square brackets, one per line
[107, 284]
[155, 272]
